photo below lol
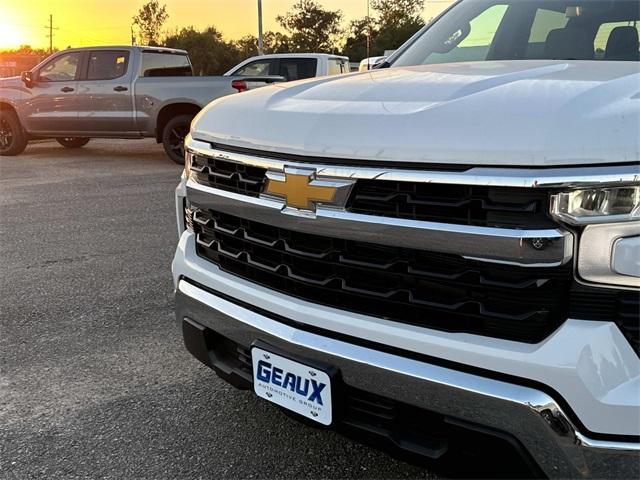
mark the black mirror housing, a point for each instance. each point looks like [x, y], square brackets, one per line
[27, 78]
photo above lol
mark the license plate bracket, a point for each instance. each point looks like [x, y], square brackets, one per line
[297, 384]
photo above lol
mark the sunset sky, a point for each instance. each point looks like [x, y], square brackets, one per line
[100, 22]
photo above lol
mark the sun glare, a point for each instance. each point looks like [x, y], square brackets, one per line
[11, 33]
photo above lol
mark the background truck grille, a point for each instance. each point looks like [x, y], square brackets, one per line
[434, 290]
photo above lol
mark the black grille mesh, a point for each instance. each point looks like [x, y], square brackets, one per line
[607, 304]
[230, 176]
[434, 290]
[460, 204]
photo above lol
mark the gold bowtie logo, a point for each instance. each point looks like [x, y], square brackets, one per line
[300, 189]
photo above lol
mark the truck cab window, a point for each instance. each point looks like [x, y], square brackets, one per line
[297, 68]
[337, 66]
[544, 22]
[254, 69]
[161, 64]
[618, 41]
[472, 41]
[107, 64]
[60, 69]
[481, 30]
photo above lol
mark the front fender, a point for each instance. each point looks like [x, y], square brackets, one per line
[13, 91]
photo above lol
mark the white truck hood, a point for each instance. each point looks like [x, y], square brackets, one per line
[519, 113]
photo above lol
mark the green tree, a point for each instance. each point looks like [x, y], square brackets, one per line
[398, 11]
[355, 46]
[311, 28]
[149, 20]
[398, 20]
[273, 42]
[394, 22]
[210, 54]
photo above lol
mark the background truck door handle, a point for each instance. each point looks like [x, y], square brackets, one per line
[120, 88]
[66, 89]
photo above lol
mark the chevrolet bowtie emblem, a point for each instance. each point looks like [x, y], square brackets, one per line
[299, 188]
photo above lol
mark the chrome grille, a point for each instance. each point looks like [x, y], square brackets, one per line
[464, 250]
[457, 204]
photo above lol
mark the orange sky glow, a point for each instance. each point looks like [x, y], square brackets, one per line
[104, 22]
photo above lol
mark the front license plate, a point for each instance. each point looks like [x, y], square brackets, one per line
[292, 385]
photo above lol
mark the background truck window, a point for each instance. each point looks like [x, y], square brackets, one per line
[60, 69]
[107, 64]
[254, 69]
[297, 68]
[337, 66]
[159, 64]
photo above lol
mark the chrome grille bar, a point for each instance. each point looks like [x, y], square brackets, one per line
[562, 177]
[532, 248]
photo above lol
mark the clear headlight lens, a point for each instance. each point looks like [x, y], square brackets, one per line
[597, 205]
[609, 246]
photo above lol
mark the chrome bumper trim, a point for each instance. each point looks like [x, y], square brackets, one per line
[500, 245]
[532, 416]
[561, 177]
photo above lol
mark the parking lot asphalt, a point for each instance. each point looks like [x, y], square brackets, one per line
[94, 379]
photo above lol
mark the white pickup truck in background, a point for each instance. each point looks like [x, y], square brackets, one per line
[292, 66]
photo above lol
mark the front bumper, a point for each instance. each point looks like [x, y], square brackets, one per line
[529, 415]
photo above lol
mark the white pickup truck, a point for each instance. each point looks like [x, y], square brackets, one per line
[292, 66]
[441, 255]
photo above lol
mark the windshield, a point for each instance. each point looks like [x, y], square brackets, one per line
[481, 30]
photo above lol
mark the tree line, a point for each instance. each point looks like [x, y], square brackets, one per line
[307, 27]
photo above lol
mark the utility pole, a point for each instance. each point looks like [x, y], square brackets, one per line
[368, 38]
[133, 37]
[260, 43]
[51, 29]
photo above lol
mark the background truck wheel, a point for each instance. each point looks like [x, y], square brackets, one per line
[13, 141]
[173, 137]
[72, 142]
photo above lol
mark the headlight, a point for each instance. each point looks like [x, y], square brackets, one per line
[597, 205]
[609, 249]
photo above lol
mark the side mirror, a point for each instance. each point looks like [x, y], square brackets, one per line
[27, 78]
